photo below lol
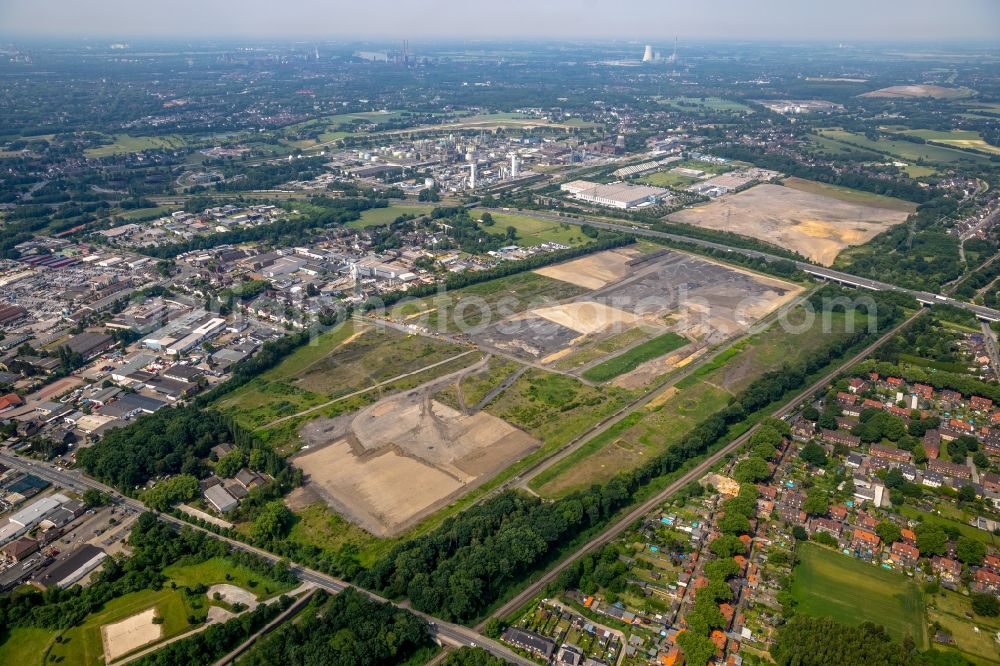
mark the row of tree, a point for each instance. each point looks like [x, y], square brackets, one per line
[474, 558]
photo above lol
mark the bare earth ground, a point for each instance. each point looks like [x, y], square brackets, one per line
[395, 462]
[918, 90]
[813, 225]
[702, 300]
[233, 594]
[133, 632]
[593, 271]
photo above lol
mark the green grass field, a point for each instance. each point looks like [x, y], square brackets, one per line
[949, 610]
[634, 357]
[26, 645]
[956, 139]
[555, 408]
[906, 150]
[533, 231]
[829, 584]
[850, 195]
[215, 570]
[668, 179]
[671, 415]
[317, 525]
[340, 362]
[588, 352]
[517, 292]
[82, 644]
[378, 217]
[124, 143]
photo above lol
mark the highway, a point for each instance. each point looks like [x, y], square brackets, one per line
[451, 634]
[925, 297]
[614, 530]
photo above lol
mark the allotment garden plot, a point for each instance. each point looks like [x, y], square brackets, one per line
[816, 226]
[632, 299]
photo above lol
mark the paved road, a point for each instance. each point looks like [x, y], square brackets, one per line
[925, 297]
[445, 632]
[620, 525]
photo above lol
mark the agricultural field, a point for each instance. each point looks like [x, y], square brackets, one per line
[534, 231]
[124, 143]
[380, 217]
[351, 358]
[815, 225]
[677, 409]
[826, 583]
[956, 139]
[906, 150]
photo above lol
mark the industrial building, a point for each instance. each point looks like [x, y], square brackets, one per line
[615, 195]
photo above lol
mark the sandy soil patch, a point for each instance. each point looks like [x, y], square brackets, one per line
[586, 317]
[813, 225]
[593, 271]
[395, 462]
[670, 392]
[130, 634]
[657, 367]
[233, 594]
[919, 90]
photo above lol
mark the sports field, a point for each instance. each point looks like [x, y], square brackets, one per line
[829, 584]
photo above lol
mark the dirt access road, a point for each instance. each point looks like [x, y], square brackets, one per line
[617, 527]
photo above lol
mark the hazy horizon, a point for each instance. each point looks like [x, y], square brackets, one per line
[555, 20]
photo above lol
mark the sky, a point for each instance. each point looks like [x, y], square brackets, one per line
[786, 20]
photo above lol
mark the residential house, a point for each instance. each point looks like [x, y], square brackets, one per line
[904, 554]
[986, 581]
[540, 646]
[865, 539]
[946, 568]
[840, 437]
[948, 468]
[980, 404]
[890, 453]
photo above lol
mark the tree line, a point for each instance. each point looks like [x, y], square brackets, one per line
[457, 570]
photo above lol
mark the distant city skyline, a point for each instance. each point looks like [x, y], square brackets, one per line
[861, 20]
